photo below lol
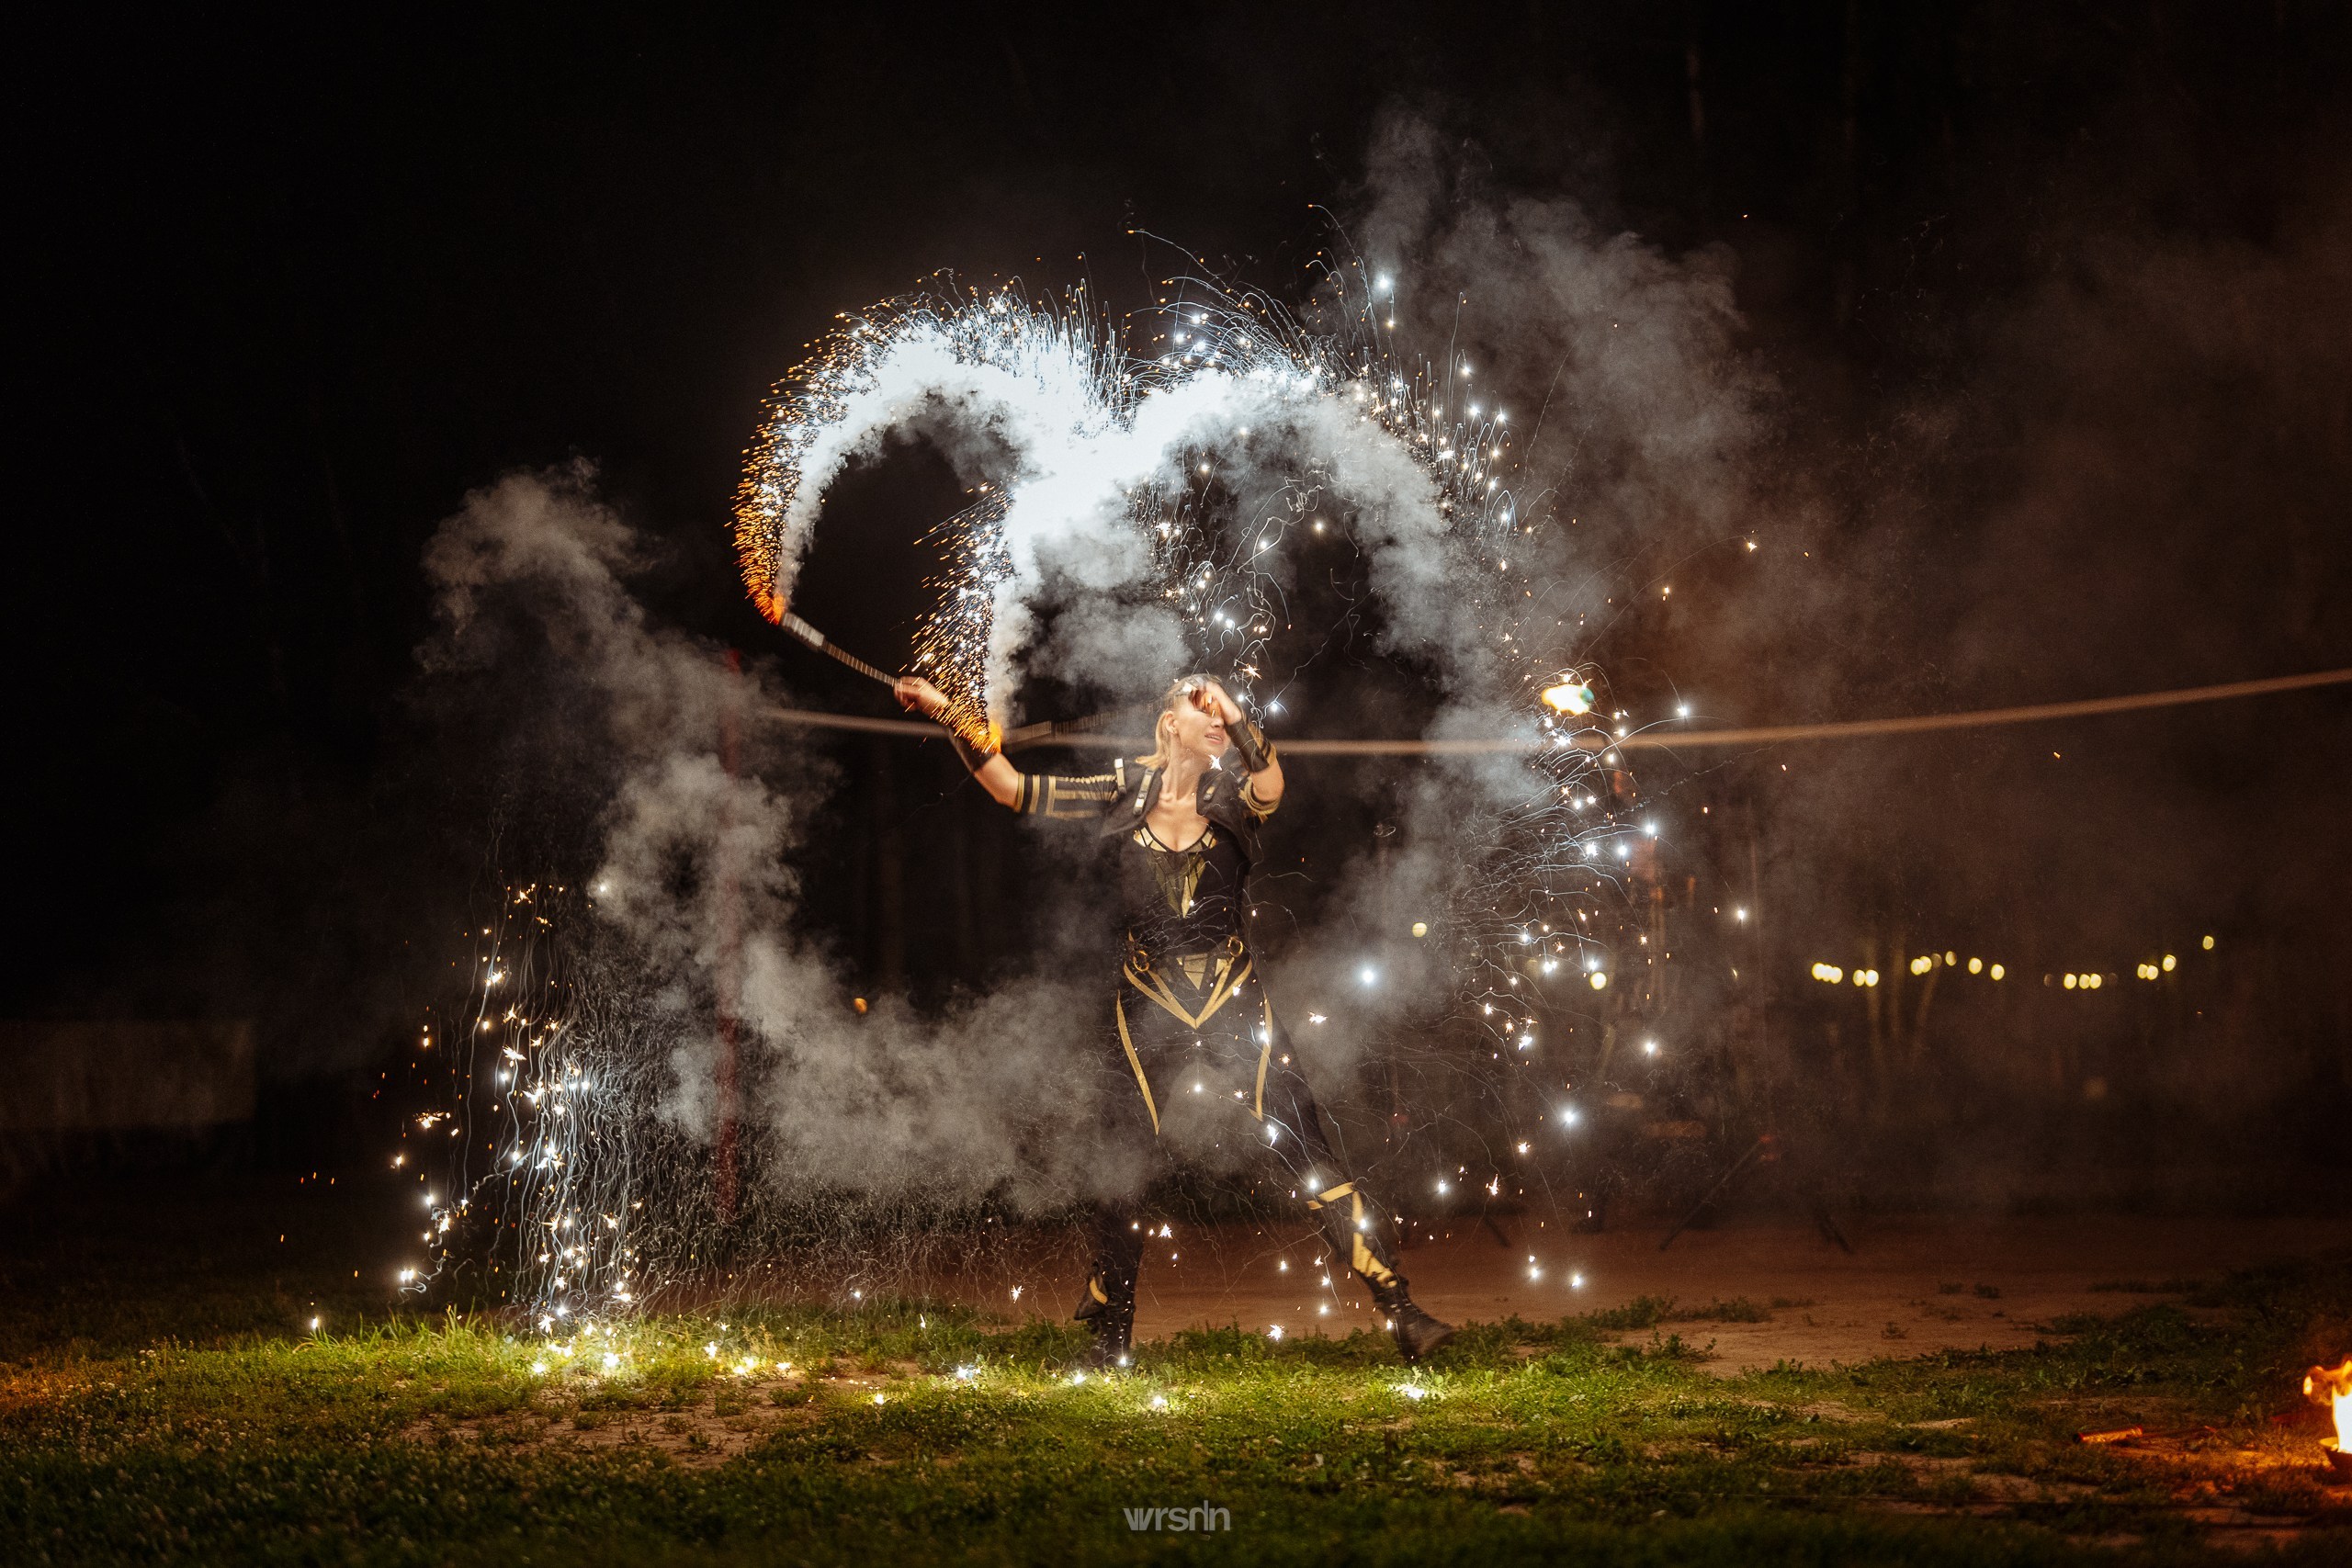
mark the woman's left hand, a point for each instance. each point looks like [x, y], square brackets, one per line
[1227, 710]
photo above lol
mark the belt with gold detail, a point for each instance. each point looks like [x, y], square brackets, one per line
[1212, 978]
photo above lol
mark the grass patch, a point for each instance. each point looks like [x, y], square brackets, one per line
[908, 1431]
[1649, 1312]
[1739, 1309]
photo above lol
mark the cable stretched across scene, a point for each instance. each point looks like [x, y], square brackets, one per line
[1660, 740]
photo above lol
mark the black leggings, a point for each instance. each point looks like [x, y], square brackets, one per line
[1229, 1064]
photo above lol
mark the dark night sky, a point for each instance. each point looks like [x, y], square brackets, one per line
[2053, 299]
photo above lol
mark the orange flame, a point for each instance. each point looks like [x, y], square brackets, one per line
[2333, 1386]
[1571, 697]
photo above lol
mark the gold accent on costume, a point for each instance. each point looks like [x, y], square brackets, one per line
[1361, 1257]
[1333, 1195]
[1265, 1054]
[1221, 973]
[1249, 796]
[1232, 969]
[1051, 794]
[1136, 1063]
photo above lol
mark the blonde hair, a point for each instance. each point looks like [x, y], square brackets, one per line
[1179, 689]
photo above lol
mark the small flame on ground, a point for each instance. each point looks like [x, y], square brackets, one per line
[2333, 1386]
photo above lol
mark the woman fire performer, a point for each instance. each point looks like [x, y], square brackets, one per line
[1190, 1008]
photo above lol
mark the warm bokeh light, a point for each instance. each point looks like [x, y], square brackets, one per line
[1570, 697]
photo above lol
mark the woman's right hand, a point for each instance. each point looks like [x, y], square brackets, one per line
[917, 695]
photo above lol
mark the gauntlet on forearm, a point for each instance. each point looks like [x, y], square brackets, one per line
[1257, 752]
[975, 740]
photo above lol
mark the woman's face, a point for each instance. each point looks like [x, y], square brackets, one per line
[1199, 730]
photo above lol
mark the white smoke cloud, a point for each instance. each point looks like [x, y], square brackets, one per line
[1618, 355]
[1638, 418]
[693, 878]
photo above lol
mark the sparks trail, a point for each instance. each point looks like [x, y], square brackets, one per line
[1182, 462]
[1189, 466]
[1175, 480]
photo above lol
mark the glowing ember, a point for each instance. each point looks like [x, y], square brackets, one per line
[1572, 696]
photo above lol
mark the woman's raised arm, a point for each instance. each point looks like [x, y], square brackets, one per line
[1249, 743]
[1000, 779]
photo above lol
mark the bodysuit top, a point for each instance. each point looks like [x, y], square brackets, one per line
[1172, 900]
[1176, 901]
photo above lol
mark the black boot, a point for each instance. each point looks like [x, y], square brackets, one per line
[1114, 1321]
[1108, 1305]
[1417, 1334]
[1357, 1233]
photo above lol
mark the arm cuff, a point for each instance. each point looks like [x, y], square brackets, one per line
[974, 752]
[1251, 743]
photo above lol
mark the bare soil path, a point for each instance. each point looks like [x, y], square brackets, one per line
[1911, 1285]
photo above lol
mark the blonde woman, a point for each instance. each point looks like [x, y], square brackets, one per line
[1191, 1012]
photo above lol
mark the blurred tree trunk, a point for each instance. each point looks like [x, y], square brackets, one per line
[1846, 269]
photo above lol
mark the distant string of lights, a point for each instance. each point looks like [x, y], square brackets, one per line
[2071, 980]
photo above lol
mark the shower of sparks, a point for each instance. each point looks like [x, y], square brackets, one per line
[561, 1118]
[1212, 435]
[1100, 441]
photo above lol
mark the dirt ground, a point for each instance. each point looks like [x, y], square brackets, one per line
[1909, 1287]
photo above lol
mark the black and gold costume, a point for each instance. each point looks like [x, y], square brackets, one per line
[1193, 1026]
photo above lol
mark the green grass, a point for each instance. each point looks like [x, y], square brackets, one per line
[434, 1440]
